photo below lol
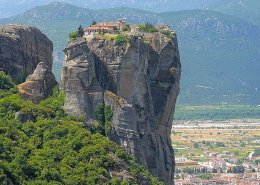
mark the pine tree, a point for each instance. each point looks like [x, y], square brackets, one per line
[80, 31]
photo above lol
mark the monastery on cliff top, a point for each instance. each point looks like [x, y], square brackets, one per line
[105, 27]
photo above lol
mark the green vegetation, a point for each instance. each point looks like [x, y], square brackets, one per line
[6, 82]
[219, 144]
[147, 27]
[120, 40]
[73, 35]
[206, 176]
[257, 152]
[57, 148]
[126, 27]
[104, 115]
[21, 78]
[108, 36]
[212, 145]
[7, 86]
[196, 145]
[217, 112]
[80, 31]
[168, 33]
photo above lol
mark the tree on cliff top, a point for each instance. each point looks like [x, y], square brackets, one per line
[147, 27]
[73, 35]
[80, 31]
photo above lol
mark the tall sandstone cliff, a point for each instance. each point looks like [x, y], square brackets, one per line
[25, 50]
[140, 81]
[22, 48]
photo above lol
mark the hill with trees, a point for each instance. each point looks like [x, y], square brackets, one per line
[41, 144]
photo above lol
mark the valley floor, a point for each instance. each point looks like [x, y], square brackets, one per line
[217, 152]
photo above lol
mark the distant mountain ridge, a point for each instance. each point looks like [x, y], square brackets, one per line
[219, 52]
[247, 9]
[219, 56]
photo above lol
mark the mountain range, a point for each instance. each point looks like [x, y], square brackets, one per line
[242, 8]
[219, 48]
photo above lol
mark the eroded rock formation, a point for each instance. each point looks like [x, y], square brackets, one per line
[39, 85]
[140, 81]
[22, 48]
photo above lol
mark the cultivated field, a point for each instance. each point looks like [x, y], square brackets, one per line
[234, 136]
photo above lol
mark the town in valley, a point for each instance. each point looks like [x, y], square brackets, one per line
[223, 153]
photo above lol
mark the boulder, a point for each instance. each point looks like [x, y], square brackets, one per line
[23, 117]
[39, 85]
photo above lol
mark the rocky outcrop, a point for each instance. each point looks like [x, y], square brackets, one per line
[140, 81]
[39, 85]
[23, 117]
[22, 48]
[83, 90]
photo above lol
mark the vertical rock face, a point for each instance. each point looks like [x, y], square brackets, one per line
[79, 80]
[22, 48]
[39, 85]
[140, 81]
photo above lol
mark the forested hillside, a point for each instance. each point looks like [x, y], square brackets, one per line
[220, 57]
[40, 144]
